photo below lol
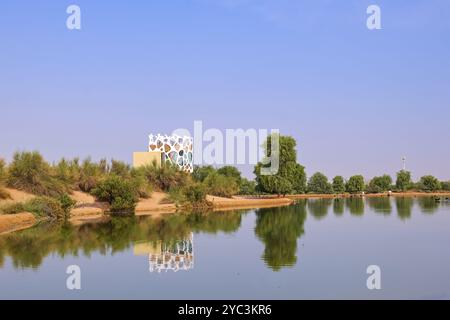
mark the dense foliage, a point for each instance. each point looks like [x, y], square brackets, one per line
[355, 184]
[404, 181]
[429, 184]
[318, 183]
[338, 184]
[380, 184]
[290, 177]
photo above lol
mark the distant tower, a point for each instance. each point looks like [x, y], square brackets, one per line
[404, 163]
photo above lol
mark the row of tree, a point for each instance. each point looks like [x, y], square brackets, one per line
[291, 177]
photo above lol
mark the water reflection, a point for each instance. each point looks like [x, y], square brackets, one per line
[164, 256]
[380, 205]
[168, 242]
[279, 229]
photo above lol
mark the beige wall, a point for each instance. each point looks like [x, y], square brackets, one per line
[146, 158]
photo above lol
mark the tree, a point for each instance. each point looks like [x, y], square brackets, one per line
[247, 187]
[338, 184]
[404, 181]
[291, 176]
[230, 171]
[380, 184]
[355, 184]
[445, 185]
[220, 185]
[2, 172]
[200, 173]
[429, 184]
[318, 183]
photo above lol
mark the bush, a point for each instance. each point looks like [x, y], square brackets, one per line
[380, 184]
[2, 172]
[318, 183]
[445, 185]
[404, 181]
[120, 169]
[68, 172]
[29, 172]
[355, 184]
[119, 193]
[166, 177]
[338, 184]
[45, 207]
[221, 186]
[4, 195]
[193, 196]
[429, 184]
[201, 173]
[67, 203]
[13, 208]
[141, 183]
[247, 187]
[91, 174]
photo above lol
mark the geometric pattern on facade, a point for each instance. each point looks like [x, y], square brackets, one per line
[175, 149]
[174, 256]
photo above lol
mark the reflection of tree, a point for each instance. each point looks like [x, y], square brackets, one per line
[28, 248]
[428, 204]
[380, 205]
[355, 205]
[279, 229]
[404, 207]
[319, 208]
[338, 206]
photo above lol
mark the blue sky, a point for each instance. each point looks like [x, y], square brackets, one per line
[355, 100]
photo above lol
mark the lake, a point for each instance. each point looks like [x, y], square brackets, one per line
[315, 249]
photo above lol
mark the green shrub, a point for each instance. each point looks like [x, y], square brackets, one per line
[29, 172]
[68, 172]
[13, 208]
[338, 184]
[429, 184]
[247, 187]
[119, 193]
[221, 186]
[355, 184]
[201, 173]
[45, 207]
[445, 185]
[91, 174]
[2, 172]
[380, 184]
[193, 196]
[67, 203]
[120, 169]
[166, 177]
[141, 183]
[404, 181]
[318, 183]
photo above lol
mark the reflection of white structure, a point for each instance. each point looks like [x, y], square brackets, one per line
[175, 256]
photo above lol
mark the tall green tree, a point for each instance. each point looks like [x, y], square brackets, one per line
[338, 184]
[318, 183]
[429, 184]
[291, 176]
[404, 181]
[380, 184]
[355, 184]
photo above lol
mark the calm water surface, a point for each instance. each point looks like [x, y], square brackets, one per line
[314, 249]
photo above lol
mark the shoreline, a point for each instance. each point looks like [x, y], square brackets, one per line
[90, 211]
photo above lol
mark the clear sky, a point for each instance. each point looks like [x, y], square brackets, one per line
[356, 100]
